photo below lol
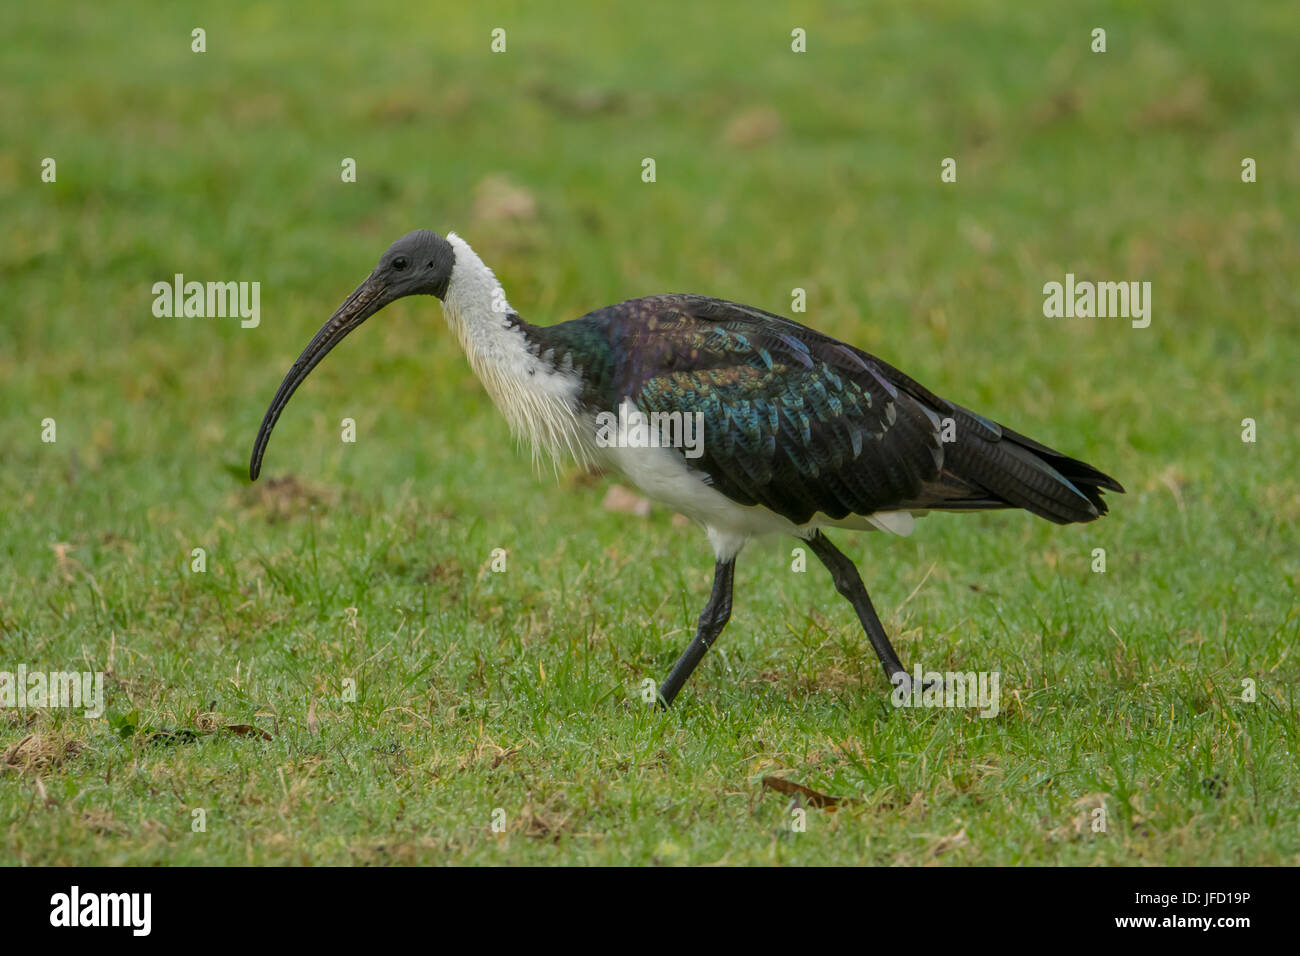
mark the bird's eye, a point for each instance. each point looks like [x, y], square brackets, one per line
[399, 263]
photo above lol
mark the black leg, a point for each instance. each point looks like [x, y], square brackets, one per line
[849, 583]
[712, 620]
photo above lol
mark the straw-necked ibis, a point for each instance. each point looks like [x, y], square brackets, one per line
[800, 432]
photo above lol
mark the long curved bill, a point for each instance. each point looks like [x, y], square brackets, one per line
[367, 299]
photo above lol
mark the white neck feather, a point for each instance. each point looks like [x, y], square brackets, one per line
[538, 400]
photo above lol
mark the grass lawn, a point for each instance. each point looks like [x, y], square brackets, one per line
[366, 566]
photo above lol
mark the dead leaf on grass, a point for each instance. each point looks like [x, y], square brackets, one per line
[247, 730]
[818, 801]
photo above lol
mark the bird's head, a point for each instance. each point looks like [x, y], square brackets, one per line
[419, 263]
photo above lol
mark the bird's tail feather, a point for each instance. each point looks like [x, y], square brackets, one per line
[1007, 468]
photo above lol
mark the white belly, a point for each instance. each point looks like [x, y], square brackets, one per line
[662, 474]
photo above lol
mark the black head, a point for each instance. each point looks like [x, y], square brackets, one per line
[419, 263]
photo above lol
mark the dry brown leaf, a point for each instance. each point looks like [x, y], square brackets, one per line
[247, 730]
[818, 801]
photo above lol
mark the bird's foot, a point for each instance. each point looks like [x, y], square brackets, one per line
[905, 685]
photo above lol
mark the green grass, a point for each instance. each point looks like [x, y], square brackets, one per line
[369, 562]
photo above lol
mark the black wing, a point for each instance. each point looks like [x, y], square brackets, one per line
[801, 423]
